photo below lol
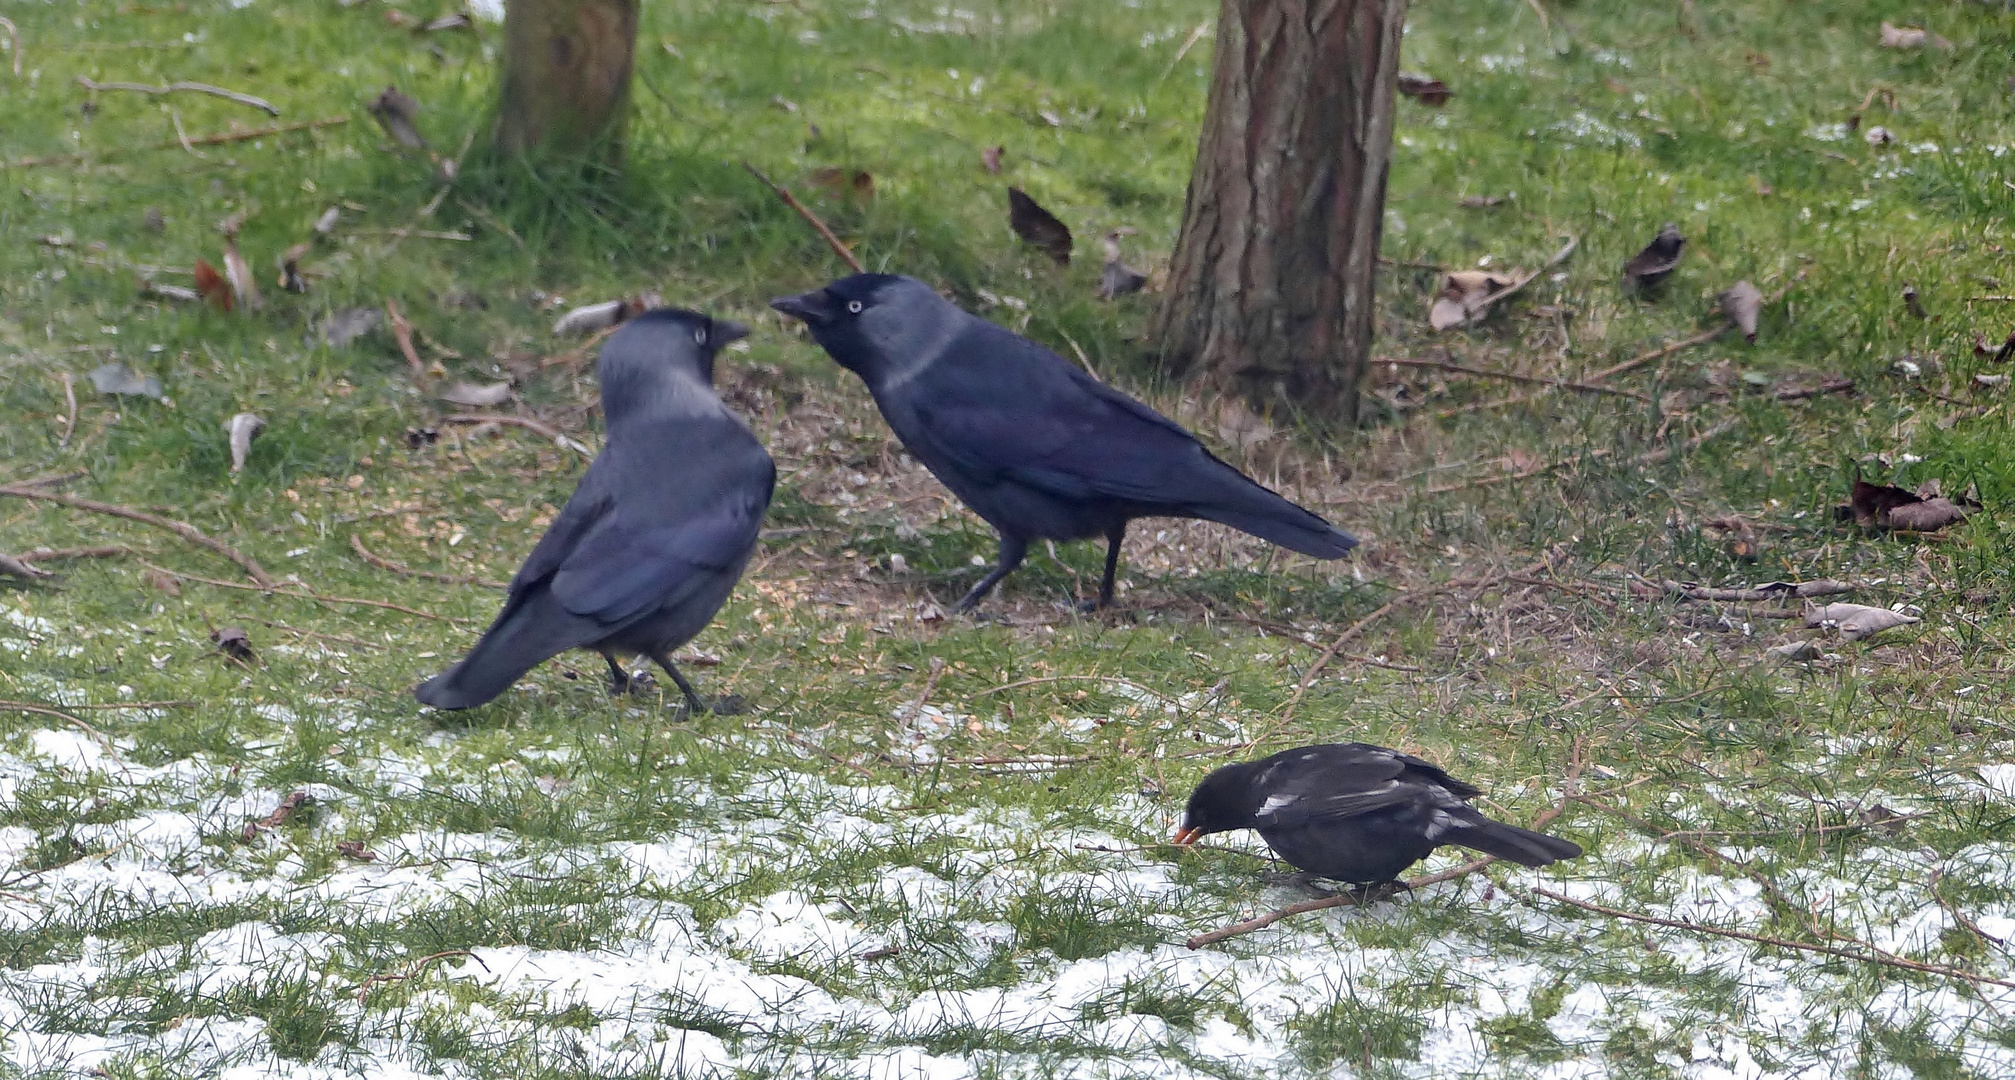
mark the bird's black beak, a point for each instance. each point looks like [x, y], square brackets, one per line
[814, 308]
[726, 332]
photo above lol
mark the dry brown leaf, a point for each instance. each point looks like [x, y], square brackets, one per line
[1886, 506]
[355, 849]
[1038, 226]
[1425, 89]
[212, 285]
[1742, 303]
[162, 583]
[1464, 297]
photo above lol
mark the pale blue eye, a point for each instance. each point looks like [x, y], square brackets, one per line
[854, 306]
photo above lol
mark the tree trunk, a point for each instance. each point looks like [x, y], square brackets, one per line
[566, 75]
[1270, 287]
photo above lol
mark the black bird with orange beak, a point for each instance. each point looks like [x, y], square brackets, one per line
[1356, 813]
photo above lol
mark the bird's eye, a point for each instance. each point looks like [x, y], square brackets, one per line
[699, 337]
[854, 306]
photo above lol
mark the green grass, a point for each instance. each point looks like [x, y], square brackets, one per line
[621, 894]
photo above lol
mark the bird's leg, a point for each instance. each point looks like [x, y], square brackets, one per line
[620, 681]
[1013, 550]
[693, 701]
[1377, 891]
[1114, 537]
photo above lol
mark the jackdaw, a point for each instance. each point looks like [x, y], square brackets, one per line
[1032, 444]
[1356, 812]
[655, 536]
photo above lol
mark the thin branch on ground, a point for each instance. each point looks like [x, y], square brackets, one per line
[1569, 792]
[1530, 380]
[339, 638]
[107, 551]
[1802, 590]
[1776, 942]
[559, 437]
[790, 200]
[382, 563]
[12, 565]
[204, 140]
[414, 969]
[180, 528]
[258, 103]
[402, 332]
[298, 593]
[70, 420]
[45, 710]
[1662, 352]
[1653, 457]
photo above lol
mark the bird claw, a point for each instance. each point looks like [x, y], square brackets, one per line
[639, 682]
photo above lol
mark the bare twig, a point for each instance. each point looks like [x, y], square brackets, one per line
[171, 144]
[402, 332]
[1662, 352]
[1561, 384]
[790, 200]
[261, 104]
[1544, 818]
[1885, 960]
[382, 563]
[44, 710]
[923, 698]
[38, 555]
[1830, 386]
[412, 970]
[11, 565]
[298, 594]
[70, 419]
[1802, 590]
[526, 422]
[180, 528]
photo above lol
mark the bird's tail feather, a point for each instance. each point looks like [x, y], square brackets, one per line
[522, 637]
[1248, 506]
[1509, 842]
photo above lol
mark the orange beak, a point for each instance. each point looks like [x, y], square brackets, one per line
[1186, 837]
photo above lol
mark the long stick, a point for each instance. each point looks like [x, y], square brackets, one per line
[1662, 352]
[180, 528]
[261, 104]
[1781, 943]
[791, 201]
[1530, 380]
[382, 563]
[173, 144]
[298, 594]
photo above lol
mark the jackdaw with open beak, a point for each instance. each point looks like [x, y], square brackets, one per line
[655, 536]
[1032, 444]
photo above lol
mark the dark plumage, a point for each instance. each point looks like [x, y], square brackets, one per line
[655, 536]
[1649, 268]
[1356, 812]
[1035, 446]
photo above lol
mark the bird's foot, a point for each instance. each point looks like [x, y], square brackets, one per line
[1380, 891]
[639, 682]
[1087, 607]
[729, 705]
[1304, 882]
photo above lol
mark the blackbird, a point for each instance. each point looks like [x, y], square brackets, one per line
[1355, 812]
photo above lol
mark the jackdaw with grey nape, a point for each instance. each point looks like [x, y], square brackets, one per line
[1032, 444]
[655, 536]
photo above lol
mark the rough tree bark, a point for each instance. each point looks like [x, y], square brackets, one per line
[1270, 287]
[566, 75]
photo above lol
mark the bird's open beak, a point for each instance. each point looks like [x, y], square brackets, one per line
[727, 331]
[814, 308]
[1186, 837]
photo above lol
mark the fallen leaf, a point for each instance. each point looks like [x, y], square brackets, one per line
[589, 318]
[233, 642]
[243, 288]
[242, 429]
[1038, 226]
[1425, 89]
[455, 21]
[162, 583]
[349, 324]
[399, 115]
[212, 285]
[176, 293]
[1855, 621]
[1911, 303]
[1464, 298]
[117, 378]
[1793, 651]
[292, 802]
[990, 159]
[477, 396]
[1742, 303]
[1910, 37]
[1990, 382]
[290, 269]
[355, 849]
[326, 224]
[1649, 268]
[1886, 506]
